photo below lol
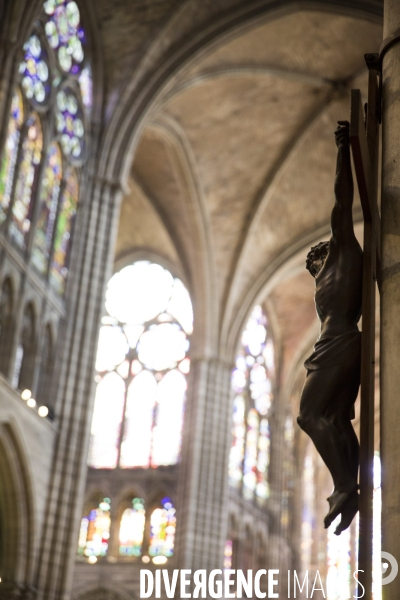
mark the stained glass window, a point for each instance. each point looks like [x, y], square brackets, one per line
[287, 470]
[65, 34]
[64, 231]
[27, 181]
[308, 515]
[131, 529]
[9, 160]
[228, 554]
[142, 362]
[162, 530]
[69, 122]
[377, 534]
[95, 530]
[35, 72]
[48, 203]
[339, 568]
[54, 75]
[252, 385]
[85, 84]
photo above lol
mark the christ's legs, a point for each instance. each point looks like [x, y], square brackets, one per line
[325, 408]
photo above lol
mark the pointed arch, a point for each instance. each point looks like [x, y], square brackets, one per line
[16, 511]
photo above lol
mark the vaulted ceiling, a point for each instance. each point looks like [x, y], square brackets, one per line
[232, 177]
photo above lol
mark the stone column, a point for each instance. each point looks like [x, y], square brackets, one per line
[390, 297]
[202, 507]
[91, 265]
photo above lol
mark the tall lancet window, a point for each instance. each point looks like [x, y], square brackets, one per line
[46, 144]
[131, 529]
[10, 154]
[142, 363]
[252, 384]
[162, 531]
[308, 510]
[94, 532]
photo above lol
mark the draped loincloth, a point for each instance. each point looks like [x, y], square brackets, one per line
[344, 349]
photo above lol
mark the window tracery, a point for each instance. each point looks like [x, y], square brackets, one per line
[54, 95]
[142, 362]
[36, 77]
[252, 383]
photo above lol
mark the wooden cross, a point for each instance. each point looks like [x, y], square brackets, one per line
[364, 139]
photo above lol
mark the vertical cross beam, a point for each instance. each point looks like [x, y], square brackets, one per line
[364, 143]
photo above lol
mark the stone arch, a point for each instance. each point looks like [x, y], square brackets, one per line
[124, 130]
[16, 513]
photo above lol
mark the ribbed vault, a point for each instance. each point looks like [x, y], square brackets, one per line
[237, 157]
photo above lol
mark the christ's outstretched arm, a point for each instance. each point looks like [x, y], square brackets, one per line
[342, 218]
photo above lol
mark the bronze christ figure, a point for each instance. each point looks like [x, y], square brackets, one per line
[333, 369]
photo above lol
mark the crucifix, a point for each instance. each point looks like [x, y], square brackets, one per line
[345, 287]
[364, 139]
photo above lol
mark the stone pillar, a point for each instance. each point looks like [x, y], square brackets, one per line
[202, 507]
[390, 297]
[91, 265]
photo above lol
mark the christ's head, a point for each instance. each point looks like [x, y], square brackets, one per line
[316, 258]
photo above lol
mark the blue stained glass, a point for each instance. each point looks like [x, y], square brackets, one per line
[65, 34]
[35, 72]
[69, 123]
[49, 195]
[94, 533]
[162, 529]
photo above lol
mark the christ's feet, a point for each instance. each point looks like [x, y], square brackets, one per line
[337, 502]
[348, 513]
